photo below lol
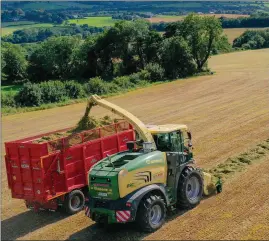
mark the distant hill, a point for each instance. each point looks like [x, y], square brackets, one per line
[157, 7]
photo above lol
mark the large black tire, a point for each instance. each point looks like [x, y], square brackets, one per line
[74, 202]
[190, 188]
[151, 213]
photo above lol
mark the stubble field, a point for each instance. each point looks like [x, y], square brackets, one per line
[227, 113]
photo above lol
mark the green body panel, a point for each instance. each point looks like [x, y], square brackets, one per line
[103, 177]
[104, 184]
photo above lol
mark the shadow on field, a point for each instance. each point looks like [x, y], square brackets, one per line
[128, 231]
[29, 221]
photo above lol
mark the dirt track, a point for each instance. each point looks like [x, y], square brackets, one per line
[227, 113]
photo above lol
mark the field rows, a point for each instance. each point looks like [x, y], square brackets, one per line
[227, 113]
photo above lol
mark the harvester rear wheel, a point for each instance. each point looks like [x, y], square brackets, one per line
[190, 188]
[151, 213]
[74, 202]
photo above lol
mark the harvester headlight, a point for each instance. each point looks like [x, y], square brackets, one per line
[123, 172]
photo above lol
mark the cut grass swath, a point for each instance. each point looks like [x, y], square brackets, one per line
[240, 162]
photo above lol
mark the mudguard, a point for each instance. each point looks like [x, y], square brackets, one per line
[135, 199]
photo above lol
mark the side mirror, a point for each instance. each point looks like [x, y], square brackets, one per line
[130, 145]
[189, 134]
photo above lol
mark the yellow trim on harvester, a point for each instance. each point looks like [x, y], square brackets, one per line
[155, 129]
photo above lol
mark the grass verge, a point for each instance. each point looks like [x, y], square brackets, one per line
[12, 110]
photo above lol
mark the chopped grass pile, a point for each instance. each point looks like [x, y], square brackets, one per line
[50, 137]
[239, 163]
[87, 122]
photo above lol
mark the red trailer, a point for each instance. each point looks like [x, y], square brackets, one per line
[51, 174]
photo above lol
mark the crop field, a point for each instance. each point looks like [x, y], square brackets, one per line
[94, 21]
[171, 18]
[9, 28]
[228, 115]
[234, 33]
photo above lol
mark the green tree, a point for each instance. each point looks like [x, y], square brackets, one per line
[176, 58]
[221, 46]
[152, 45]
[14, 64]
[85, 59]
[54, 58]
[3, 64]
[201, 33]
[253, 39]
[126, 41]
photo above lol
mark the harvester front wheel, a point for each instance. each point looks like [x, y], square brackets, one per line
[74, 202]
[151, 213]
[190, 188]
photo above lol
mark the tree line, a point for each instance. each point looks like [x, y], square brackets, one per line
[16, 11]
[115, 7]
[252, 39]
[255, 20]
[126, 55]
[39, 34]
[36, 16]
[126, 48]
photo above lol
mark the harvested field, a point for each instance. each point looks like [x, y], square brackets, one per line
[234, 33]
[171, 18]
[239, 213]
[227, 113]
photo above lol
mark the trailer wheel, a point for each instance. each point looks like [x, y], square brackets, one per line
[74, 202]
[151, 213]
[190, 188]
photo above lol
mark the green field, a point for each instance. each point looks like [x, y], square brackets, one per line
[10, 88]
[9, 28]
[94, 21]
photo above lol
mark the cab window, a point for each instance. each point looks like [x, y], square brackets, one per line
[175, 141]
[169, 141]
[162, 141]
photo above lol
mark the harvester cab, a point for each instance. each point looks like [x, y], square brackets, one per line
[140, 184]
